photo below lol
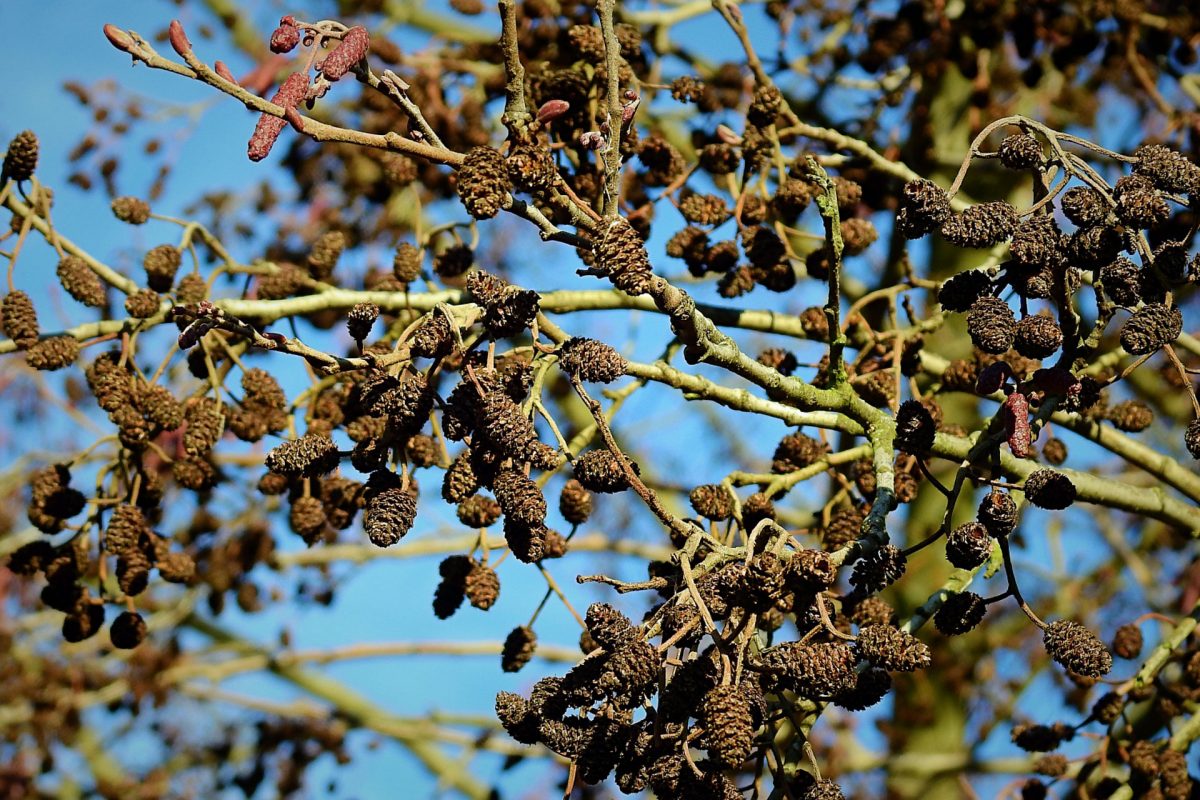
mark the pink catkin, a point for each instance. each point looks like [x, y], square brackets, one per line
[285, 38]
[1016, 424]
[355, 44]
[269, 126]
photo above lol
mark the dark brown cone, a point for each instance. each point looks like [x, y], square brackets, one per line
[526, 541]
[892, 649]
[53, 353]
[452, 589]
[125, 529]
[1076, 648]
[1083, 206]
[80, 282]
[478, 511]
[161, 263]
[482, 586]
[1038, 337]
[991, 324]
[1191, 438]
[599, 471]
[142, 304]
[21, 159]
[590, 360]
[1151, 327]
[326, 250]
[915, 428]
[712, 501]
[360, 319]
[609, 628]
[309, 456]
[460, 481]
[796, 451]
[1020, 151]
[813, 671]
[1048, 489]
[725, 714]
[981, 226]
[968, 545]
[520, 497]
[406, 263]
[1127, 641]
[127, 630]
[878, 570]
[433, 339]
[483, 182]
[389, 515]
[132, 210]
[1131, 415]
[575, 502]
[871, 685]
[960, 613]
[518, 649]
[307, 519]
[998, 513]
[19, 319]
[621, 256]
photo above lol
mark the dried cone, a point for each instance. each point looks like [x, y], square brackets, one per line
[127, 630]
[483, 182]
[892, 649]
[590, 360]
[19, 319]
[1048, 489]
[80, 282]
[621, 256]
[21, 159]
[360, 320]
[518, 649]
[389, 515]
[575, 502]
[482, 586]
[1076, 648]
[725, 714]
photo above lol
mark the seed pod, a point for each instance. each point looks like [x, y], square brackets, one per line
[991, 324]
[518, 649]
[161, 263]
[1127, 641]
[360, 320]
[1168, 169]
[1191, 438]
[20, 319]
[389, 515]
[1131, 416]
[1151, 327]
[54, 353]
[796, 451]
[981, 226]
[1020, 151]
[1038, 337]
[21, 159]
[309, 456]
[725, 713]
[880, 569]
[960, 613]
[326, 250]
[482, 586]
[205, 424]
[621, 256]
[915, 428]
[452, 589]
[960, 291]
[1076, 648]
[600, 471]
[307, 519]
[1083, 206]
[590, 360]
[892, 649]
[923, 207]
[1122, 282]
[132, 210]
[80, 282]
[1016, 424]
[968, 545]
[127, 630]
[142, 304]
[483, 182]
[351, 50]
[1048, 489]
[712, 501]
[575, 502]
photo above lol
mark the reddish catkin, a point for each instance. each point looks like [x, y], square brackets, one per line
[269, 126]
[1016, 424]
[354, 46]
